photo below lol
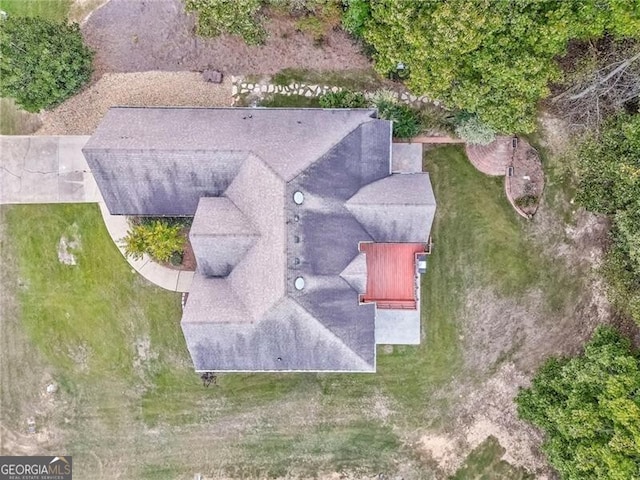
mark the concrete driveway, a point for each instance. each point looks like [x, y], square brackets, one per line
[45, 170]
[54, 170]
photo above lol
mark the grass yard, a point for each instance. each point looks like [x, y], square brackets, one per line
[484, 464]
[56, 10]
[129, 401]
[350, 79]
[289, 101]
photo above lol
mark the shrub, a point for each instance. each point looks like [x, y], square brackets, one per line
[158, 239]
[236, 17]
[526, 201]
[406, 121]
[472, 130]
[41, 62]
[355, 16]
[343, 99]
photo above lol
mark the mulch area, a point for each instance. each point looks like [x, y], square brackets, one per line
[527, 179]
[143, 35]
[188, 257]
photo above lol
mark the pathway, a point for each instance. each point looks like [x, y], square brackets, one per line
[260, 88]
[492, 159]
[54, 170]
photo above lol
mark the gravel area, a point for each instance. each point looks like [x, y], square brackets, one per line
[81, 114]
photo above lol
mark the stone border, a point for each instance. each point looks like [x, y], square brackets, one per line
[264, 87]
[507, 191]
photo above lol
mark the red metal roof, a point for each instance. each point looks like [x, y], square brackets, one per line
[391, 271]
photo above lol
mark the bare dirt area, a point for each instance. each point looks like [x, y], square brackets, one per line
[141, 35]
[506, 339]
[487, 409]
[81, 114]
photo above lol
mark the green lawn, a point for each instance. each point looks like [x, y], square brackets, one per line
[289, 101]
[366, 79]
[51, 9]
[130, 399]
[15, 121]
[484, 464]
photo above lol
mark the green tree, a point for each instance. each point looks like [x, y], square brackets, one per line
[41, 62]
[589, 409]
[355, 16]
[158, 239]
[609, 183]
[494, 59]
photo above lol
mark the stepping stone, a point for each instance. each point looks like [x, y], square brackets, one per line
[213, 76]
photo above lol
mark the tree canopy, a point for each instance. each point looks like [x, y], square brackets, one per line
[609, 183]
[41, 62]
[589, 408]
[494, 59]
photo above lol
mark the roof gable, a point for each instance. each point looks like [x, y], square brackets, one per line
[220, 235]
[398, 208]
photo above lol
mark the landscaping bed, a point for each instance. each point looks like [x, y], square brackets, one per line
[524, 182]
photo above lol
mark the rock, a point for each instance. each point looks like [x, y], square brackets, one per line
[213, 76]
[234, 90]
[52, 388]
[270, 89]
[335, 89]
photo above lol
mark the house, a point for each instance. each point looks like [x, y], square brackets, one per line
[308, 225]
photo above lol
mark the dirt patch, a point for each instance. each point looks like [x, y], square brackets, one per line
[139, 35]
[68, 245]
[488, 410]
[81, 114]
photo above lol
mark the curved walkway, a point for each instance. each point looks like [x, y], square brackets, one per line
[53, 170]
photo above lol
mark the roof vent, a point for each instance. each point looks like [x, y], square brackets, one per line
[299, 283]
[298, 198]
[296, 218]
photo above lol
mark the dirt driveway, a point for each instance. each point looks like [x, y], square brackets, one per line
[142, 35]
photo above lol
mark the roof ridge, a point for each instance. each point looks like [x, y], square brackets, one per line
[255, 229]
[331, 334]
[331, 147]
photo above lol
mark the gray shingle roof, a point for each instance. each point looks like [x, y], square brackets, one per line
[220, 236]
[252, 241]
[355, 274]
[398, 208]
